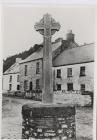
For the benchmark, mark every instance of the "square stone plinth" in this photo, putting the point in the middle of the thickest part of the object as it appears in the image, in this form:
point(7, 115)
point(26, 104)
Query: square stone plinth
point(48, 121)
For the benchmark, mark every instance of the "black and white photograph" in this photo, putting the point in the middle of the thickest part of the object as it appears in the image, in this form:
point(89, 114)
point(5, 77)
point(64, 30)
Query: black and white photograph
point(48, 72)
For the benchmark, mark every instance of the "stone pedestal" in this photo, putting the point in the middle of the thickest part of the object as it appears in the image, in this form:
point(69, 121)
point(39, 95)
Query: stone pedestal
point(48, 122)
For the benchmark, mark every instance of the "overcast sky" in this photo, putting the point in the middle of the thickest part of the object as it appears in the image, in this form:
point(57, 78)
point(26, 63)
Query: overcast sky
point(18, 25)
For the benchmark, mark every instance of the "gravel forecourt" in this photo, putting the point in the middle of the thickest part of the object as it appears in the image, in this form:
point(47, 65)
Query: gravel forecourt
point(12, 119)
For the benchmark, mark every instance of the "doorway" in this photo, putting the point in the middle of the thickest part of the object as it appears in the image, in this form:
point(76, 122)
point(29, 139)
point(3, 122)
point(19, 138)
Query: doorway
point(70, 86)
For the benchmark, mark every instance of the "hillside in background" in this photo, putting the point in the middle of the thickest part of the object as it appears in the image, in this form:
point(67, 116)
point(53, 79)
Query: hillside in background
point(64, 45)
point(11, 60)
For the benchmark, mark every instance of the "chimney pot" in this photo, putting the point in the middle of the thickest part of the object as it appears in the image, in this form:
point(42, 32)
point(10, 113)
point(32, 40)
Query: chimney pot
point(70, 36)
point(69, 31)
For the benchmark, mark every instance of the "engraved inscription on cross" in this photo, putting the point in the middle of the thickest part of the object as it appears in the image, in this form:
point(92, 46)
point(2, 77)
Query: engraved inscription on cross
point(47, 27)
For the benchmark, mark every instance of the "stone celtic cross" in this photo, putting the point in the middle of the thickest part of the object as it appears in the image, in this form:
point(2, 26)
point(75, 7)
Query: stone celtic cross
point(48, 120)
point(47, 27)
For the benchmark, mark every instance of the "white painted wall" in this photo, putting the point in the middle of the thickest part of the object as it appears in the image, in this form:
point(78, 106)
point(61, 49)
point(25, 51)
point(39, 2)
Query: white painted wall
point(88, 80)
point(6, 82)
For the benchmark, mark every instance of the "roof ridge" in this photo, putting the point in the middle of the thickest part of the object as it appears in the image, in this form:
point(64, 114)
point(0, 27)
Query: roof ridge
point(10, 67)
point(86, 44)
point(70, 48)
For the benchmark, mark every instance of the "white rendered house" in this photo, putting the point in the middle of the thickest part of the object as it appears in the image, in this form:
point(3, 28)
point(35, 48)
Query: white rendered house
point(11, 78)
point(74, 69)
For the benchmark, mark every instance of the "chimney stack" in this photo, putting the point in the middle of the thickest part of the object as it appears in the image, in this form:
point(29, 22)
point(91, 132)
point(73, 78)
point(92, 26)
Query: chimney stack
point(18, 60)
point(70, 36)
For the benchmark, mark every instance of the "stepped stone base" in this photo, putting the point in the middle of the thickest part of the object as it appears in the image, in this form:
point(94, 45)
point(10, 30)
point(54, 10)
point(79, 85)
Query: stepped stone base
point(48, 122)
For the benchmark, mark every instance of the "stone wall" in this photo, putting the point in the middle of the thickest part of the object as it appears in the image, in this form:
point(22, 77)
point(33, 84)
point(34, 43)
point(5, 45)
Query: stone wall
point(56, 122)
point(31, 74)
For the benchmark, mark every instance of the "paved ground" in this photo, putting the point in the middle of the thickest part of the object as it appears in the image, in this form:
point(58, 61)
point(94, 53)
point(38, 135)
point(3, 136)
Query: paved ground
point(12, 119)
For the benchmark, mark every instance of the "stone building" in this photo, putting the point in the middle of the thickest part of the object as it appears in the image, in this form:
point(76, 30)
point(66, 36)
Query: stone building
point(74, 69)
point(72, 66)
point(31, 67)
point(11, 78)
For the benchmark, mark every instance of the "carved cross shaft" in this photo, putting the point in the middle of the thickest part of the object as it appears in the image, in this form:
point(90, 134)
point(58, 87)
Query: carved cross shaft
point(47, 27)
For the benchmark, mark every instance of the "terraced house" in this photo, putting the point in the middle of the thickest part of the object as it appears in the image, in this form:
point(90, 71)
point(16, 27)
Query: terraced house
point(74, 69)
point(11, 78)
point(72, 66)
point(31, 68)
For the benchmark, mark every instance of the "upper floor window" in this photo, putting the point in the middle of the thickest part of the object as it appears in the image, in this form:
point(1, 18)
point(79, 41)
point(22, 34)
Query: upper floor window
point(37, 83)
point(37, 68)
point(58, 73)
point(18, 78)
point(26, 70)
point(69, 72)
point(10, 78)
point(82, 71)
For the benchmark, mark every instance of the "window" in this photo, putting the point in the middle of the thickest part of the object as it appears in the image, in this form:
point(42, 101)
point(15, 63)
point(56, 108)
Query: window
point(18, 87)
point(37, 83)
point(70, 86)
point(10, 79)
point(82, 71)
point(58, 73)
point(37, 68)
point(69, 72)
point(18, 78)
point(10, 86)
point(31, 86)
point(58, 86)
point(82, 87)
point(25, 85)
point(25, 70)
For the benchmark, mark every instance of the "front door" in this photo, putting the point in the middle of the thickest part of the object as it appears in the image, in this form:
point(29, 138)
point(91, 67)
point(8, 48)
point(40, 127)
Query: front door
point(70, 86)
point(30, 85)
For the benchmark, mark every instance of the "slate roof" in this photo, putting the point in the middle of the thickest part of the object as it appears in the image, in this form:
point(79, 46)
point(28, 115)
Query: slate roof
point(75, 55)
point(70, 55)
point(13, 69)
point(39, 53)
